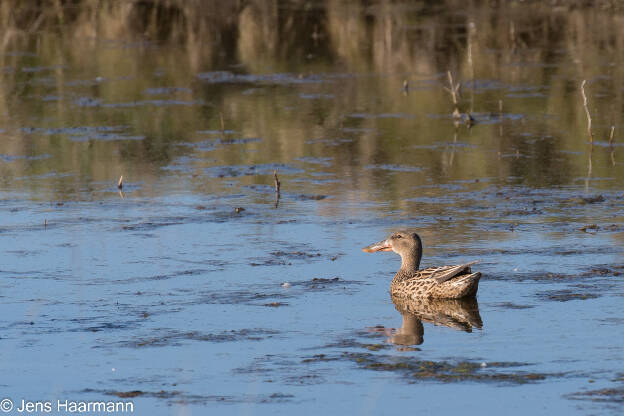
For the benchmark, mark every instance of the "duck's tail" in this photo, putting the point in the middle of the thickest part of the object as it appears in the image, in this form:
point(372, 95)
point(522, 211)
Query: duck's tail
point(466, 285)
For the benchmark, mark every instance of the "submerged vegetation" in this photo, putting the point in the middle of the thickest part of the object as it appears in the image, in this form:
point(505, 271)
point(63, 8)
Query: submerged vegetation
point(445, 371)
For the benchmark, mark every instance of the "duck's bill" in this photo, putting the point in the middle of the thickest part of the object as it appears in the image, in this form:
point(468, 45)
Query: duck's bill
point(383, 245)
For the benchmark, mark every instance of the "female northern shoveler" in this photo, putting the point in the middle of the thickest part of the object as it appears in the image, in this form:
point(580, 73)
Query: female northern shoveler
point(447, 282)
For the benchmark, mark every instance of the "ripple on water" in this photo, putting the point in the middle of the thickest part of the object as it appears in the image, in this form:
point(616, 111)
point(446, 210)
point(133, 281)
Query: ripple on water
point(183, 398)
point(221, 77)
point(232, 171)
point(172, 337)
point(394, 168)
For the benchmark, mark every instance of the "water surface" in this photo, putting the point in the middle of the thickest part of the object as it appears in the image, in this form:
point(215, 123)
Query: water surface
point(196, 288)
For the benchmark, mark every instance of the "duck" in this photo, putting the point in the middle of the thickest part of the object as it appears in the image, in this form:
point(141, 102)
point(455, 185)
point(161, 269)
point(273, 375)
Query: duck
point(410, 282)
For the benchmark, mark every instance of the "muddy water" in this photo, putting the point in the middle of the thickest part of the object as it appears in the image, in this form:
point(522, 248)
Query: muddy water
point(195, 289)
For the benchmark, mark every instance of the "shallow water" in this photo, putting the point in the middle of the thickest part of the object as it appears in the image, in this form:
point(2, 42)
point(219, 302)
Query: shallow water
point(196, 288)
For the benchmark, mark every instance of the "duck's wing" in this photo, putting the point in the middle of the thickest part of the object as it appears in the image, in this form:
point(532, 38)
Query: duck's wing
point(444, 273)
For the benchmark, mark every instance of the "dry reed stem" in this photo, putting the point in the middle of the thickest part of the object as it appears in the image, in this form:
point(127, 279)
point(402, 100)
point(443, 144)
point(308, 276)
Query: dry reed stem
point(120, 183)
point(277, 182)
point(611, 136)
point(454, 88)
point(453, 91)
point(470, 64)
point(471, 31)
point(589, 120)
point(500, 120)
point(277, 188)
point(611, 145)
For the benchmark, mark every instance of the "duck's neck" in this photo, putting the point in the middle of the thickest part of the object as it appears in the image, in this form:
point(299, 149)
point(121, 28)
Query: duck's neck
point(410, 261)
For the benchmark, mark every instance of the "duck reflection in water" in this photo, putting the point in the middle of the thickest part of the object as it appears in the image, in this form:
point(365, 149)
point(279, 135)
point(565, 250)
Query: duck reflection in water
point(461, 314)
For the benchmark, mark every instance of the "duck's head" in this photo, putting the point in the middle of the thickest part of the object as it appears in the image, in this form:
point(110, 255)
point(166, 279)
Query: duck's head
point(405, 243)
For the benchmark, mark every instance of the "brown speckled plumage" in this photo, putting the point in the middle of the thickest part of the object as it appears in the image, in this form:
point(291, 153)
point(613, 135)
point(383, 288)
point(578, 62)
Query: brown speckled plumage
point(447, 282)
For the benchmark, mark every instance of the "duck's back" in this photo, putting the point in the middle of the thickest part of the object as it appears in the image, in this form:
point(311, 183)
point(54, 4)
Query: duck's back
point(447, 282)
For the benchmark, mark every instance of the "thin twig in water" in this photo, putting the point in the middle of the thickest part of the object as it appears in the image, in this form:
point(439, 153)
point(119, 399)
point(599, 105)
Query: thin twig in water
point(277, 188)
point(611, 146)
point(120, 183)
point(277, 182)
point(589, 121)
point(500, 118)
